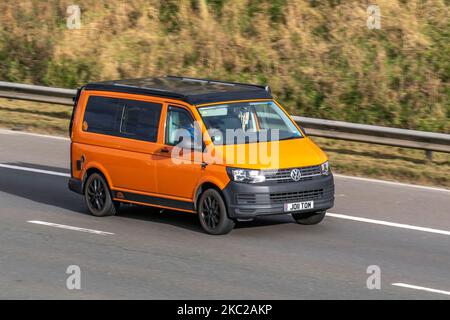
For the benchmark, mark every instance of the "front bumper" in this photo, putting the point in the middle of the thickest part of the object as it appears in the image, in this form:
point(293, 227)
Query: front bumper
point(246, 201)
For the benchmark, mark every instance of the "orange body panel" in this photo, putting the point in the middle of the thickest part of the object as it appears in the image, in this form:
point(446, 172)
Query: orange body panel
point(140, 166)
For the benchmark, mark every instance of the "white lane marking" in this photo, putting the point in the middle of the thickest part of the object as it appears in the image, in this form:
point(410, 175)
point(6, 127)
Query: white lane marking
point(399, 184)
point(410, 286)
point(62, 226)
point(53, 173)
point(12, 132)
point(335, 215)
point(387, 223)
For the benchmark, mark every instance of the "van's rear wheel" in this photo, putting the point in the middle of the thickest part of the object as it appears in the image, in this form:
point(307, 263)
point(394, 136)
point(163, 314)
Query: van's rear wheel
point(98, 197)
point(309, 219)
point(212, 213)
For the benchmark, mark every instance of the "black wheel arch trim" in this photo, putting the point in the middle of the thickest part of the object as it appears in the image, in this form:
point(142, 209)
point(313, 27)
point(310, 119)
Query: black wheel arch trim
point(202, 188)
point(77, 185)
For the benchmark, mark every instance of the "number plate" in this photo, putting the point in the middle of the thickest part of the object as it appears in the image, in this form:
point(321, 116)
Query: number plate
point(298, 206)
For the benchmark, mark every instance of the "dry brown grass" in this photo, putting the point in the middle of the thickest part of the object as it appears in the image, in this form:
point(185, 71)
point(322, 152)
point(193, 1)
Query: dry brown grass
point(318, 56)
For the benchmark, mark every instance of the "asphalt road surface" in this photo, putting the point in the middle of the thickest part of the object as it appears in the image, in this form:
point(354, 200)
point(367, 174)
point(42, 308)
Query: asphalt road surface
point(147, 254)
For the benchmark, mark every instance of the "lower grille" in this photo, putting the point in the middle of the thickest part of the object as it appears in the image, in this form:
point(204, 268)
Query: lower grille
point(246, 198)
point(296, 196)
point(317, 194)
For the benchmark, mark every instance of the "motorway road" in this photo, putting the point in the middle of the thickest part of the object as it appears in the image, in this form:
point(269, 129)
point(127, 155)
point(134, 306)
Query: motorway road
point(146, 254)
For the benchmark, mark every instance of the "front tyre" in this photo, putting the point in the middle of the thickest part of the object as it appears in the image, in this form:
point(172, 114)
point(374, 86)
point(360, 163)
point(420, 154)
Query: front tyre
point(212, 213)
point(97, 197)
point(309, 219)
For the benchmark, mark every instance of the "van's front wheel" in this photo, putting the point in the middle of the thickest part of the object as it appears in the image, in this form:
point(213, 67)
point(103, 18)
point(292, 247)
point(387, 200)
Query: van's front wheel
point(98, 197)
point(212, 213)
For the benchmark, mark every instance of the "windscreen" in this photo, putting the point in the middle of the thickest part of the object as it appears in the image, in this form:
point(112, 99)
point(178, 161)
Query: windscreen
point(248, 122)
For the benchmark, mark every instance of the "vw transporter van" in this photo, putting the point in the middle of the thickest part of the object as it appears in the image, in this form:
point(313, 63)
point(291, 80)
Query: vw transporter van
point(222, 150)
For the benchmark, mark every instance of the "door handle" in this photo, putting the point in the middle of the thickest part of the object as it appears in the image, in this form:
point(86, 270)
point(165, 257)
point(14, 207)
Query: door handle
point(164, 150)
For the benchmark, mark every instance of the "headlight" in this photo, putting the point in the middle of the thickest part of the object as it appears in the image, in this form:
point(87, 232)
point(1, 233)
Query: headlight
point(245, 176)
point(325, 168)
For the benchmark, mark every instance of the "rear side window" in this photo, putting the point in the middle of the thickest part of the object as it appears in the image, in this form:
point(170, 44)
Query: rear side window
point(102, 115)
point(123, 118)
point(140, 120)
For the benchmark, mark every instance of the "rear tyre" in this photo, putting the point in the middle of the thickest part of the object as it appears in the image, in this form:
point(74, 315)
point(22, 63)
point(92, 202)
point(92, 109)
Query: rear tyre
point(212, 213)
point(97, 197)
point(309, 219)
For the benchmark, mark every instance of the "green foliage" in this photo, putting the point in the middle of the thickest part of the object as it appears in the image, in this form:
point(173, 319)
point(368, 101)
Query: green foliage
point(23, 58)
point(318, 56)
point(71, 73)
point(277, 11)
point(168, 15)
point(216, 6)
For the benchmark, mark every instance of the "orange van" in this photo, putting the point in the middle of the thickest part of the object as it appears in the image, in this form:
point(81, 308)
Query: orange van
point(223, 150)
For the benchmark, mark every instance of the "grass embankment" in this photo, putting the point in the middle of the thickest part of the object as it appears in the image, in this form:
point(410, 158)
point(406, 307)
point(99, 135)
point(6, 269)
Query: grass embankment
point(34, 117)
point(319, 57)
point(351, 158)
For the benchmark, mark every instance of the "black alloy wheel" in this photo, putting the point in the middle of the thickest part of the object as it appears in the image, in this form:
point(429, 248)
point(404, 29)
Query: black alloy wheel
point(98, 197)
point(212, 213)
point(96, 194)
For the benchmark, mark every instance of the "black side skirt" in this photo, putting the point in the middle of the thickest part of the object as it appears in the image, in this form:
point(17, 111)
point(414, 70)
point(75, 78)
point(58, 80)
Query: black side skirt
point(176, 204)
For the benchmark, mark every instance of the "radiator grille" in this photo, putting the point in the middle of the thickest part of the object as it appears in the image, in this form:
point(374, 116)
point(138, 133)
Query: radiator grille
point(284, 175)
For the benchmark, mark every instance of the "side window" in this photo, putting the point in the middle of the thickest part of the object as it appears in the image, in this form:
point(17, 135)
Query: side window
point(140, 120)
point(178, 123)
point(102, 115)
point(132, 119)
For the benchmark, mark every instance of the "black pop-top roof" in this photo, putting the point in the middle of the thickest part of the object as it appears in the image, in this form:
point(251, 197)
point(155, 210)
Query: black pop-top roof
point(192, 90)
